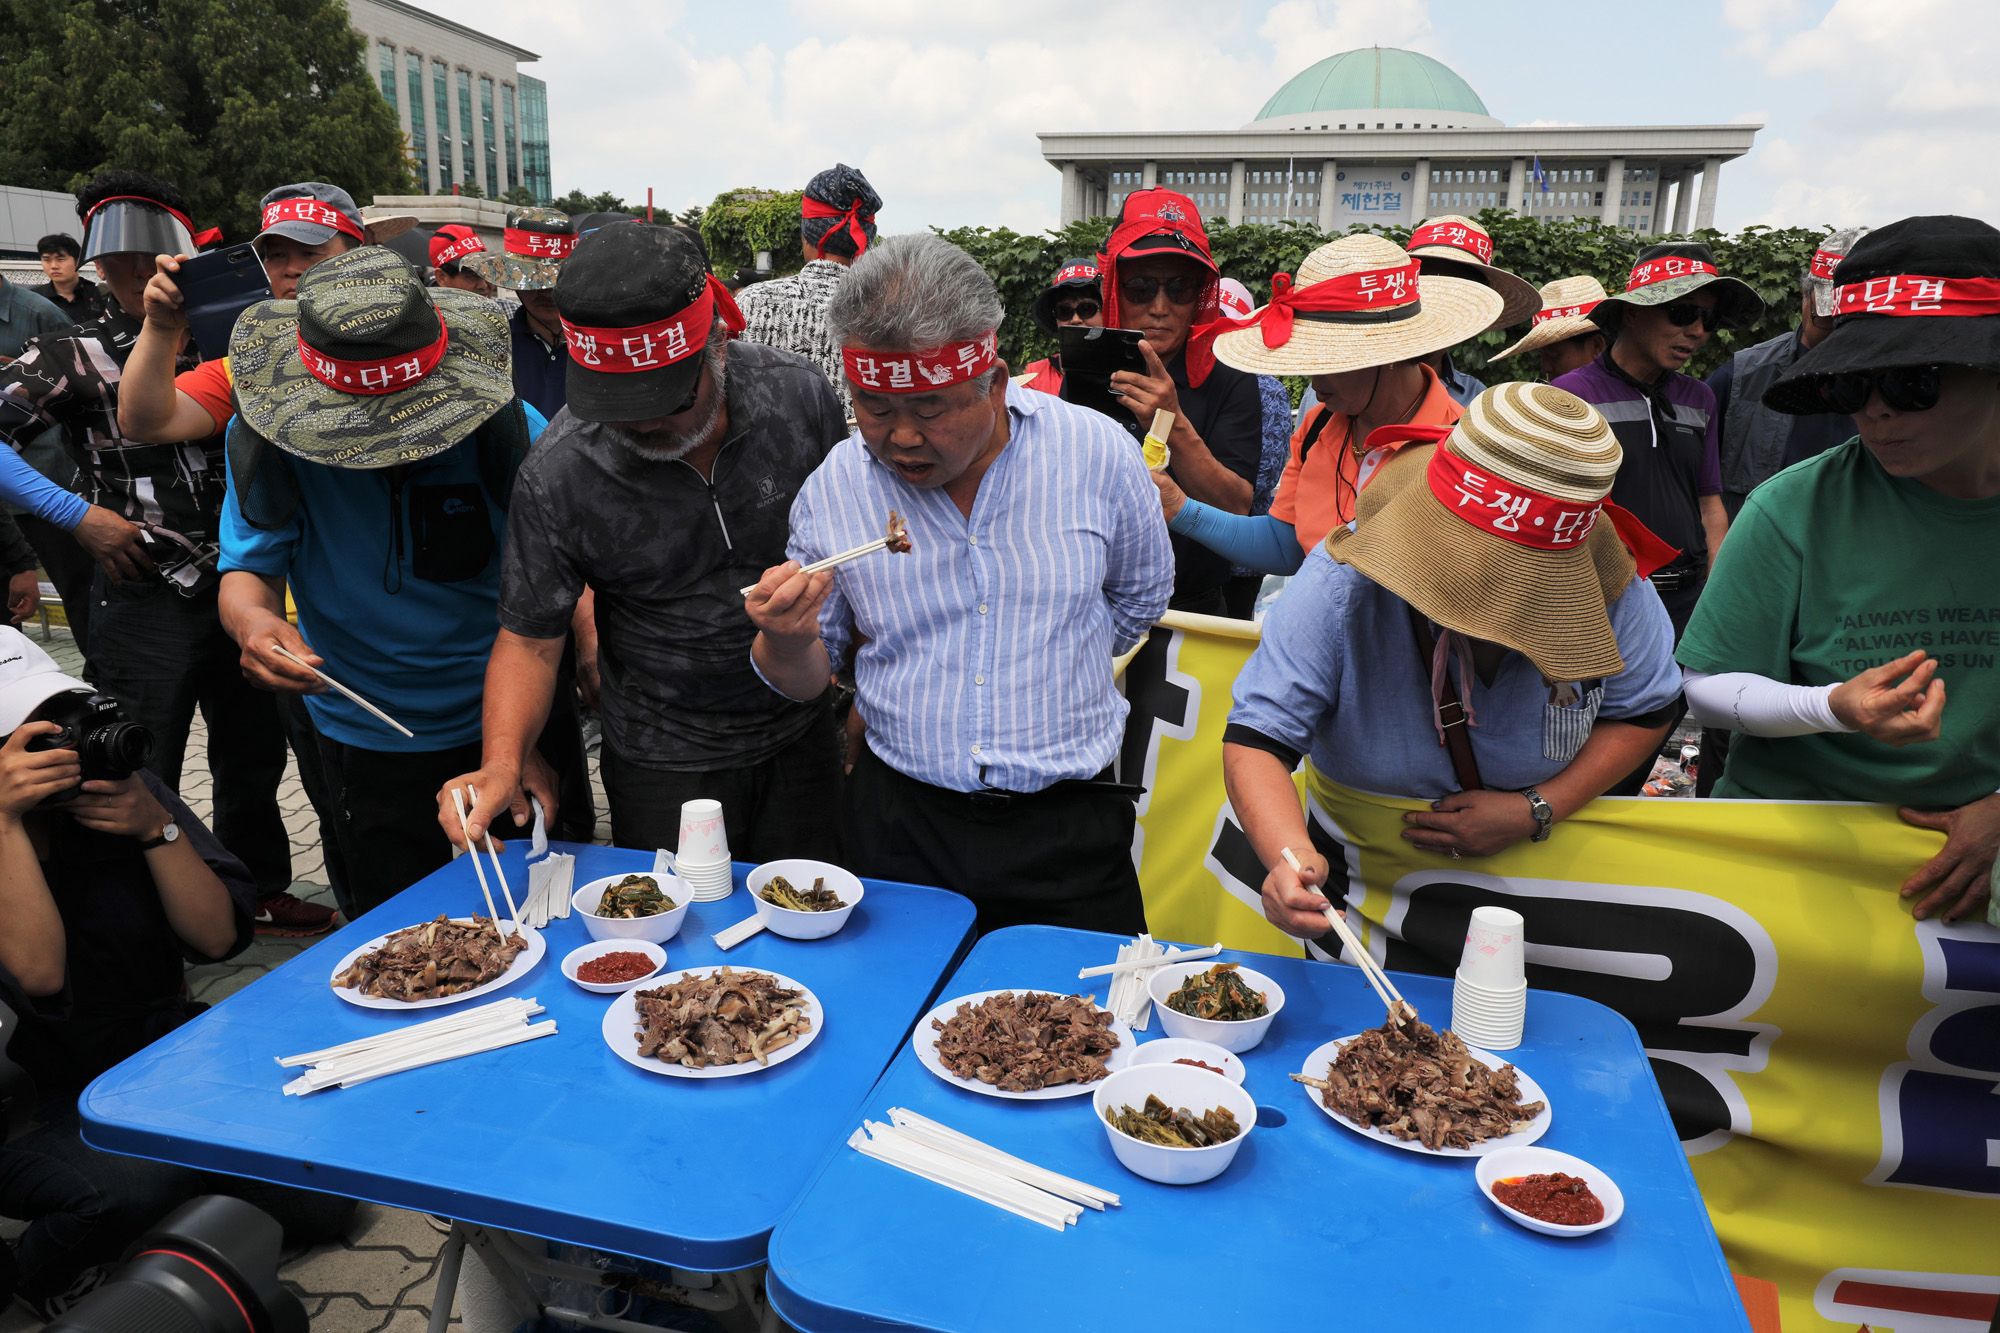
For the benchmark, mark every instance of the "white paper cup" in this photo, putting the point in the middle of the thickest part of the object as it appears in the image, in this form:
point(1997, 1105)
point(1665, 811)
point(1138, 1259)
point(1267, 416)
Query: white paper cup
point(704, 840)
point(1493, 955)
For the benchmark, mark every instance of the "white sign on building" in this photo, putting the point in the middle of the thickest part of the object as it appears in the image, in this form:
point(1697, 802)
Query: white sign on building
point(1377, 193)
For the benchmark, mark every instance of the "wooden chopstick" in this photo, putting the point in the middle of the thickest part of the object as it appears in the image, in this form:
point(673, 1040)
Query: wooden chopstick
point(343, 689)
point(880, 543)
point(465, 825)
point(1392, 999)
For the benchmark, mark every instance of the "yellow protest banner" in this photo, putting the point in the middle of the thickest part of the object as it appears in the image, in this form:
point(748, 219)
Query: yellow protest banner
point(1832, 1065)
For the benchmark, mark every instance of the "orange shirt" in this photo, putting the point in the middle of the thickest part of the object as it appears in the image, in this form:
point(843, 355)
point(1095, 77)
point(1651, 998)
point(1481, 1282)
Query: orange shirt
point(1318, 496)
point(208, 384)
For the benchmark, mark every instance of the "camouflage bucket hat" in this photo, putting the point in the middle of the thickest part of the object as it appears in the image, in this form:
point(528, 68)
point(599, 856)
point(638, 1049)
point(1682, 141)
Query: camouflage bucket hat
point(532, 253)
point(1673, 270)
point(368, 368)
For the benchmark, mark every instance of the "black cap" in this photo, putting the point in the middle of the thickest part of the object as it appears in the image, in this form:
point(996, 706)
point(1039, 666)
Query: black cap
point(1073, 275)
point(1937, 247)
point(626, 276)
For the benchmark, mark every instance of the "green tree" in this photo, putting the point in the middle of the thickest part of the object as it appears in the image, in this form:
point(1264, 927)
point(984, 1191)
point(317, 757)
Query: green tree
point(691, 216)
point(226, 98)
point(576, 202)
point(741, 222)
point(520, 197)
point(1770, 259)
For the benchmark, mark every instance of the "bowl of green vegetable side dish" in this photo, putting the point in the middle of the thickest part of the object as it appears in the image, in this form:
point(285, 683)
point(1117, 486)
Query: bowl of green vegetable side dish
point(632, 907)
point(803, 900)
point(1173, 1123)
point(1223, 1003)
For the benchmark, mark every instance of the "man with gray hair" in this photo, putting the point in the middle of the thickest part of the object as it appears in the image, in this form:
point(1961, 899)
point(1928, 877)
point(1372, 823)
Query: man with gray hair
point(663, 488)
point(1758, 443)
point(982, 656)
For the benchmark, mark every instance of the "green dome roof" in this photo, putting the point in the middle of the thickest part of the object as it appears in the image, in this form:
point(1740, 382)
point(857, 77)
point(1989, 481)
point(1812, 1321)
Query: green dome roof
point(1376, 76)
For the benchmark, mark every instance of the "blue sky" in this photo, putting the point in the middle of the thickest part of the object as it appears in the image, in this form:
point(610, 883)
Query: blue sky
point(1873, 108)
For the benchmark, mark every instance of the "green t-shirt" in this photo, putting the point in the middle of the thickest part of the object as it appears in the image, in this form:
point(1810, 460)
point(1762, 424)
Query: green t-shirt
point(1834, 566)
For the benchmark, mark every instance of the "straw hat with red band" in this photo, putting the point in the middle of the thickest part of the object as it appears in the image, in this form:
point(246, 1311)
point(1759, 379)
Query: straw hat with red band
point(1673, 271)
point(1565, 314)
point(637, 304)
point(368, 368)
point(1159, 222)
point(532, 251)
point(1457, 247)
point(1503, 531)
point(1920, 292)
point(1357, 302)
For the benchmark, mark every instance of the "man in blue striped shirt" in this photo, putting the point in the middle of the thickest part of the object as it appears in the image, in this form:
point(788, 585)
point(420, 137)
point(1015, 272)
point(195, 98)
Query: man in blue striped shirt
point(981, 658)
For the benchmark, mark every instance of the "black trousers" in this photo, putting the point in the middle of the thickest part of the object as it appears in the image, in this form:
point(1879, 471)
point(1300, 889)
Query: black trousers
point(69, 567)
point(322, 793)
point(1056, 858)
point(163, 655)
point(787, 806)
point(83, 1207)
point(385, 817)
point(561, 744)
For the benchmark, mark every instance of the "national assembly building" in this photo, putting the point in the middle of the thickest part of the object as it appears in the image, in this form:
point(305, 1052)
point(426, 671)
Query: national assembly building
point(1386, 136)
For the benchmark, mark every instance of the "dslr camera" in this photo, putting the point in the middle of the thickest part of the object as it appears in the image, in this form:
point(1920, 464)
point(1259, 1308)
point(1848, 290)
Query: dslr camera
point(111, 745)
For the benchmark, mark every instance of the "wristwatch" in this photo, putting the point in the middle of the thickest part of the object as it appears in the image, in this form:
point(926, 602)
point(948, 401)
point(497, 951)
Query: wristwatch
point(1545, 815)
point(169, 832)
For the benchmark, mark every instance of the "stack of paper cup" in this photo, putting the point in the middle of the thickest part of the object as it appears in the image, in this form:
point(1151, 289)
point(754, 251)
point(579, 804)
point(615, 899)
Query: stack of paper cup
point(1489, 999)
point(702, 863)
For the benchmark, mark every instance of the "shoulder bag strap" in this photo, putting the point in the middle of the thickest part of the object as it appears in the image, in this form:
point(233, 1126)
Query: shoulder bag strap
point(1450, 710)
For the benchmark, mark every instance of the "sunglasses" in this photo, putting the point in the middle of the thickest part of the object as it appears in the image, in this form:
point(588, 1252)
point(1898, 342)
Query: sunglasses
point(1904, 388)
point(1687, 314)
point(1181, 291)
point(1068, 310)
point(694, 389)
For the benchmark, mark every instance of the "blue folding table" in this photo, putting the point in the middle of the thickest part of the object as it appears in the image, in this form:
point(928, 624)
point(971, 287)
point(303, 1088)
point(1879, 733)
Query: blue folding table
point(556, 1137)
point(1311, 1226)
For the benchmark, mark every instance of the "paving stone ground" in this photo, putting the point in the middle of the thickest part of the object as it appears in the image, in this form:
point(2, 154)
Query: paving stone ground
point(381, 1276)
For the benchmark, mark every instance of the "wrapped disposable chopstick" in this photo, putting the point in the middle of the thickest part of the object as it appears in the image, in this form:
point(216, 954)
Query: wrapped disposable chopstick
point(946, 1139)
point(886, 1143)
point(1128, 1000)
point(489, 1027)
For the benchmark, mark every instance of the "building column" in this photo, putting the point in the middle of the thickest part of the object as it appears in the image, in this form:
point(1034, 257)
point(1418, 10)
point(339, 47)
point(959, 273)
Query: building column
point(1420, 191)
point(1071, 205)
point(1328, 192)
point(1517, 184)
point(1659, 201)
point(1683, 183)
point(1149, 175)
point(1704, 213)
point(1614, 192)
point(1238, 176)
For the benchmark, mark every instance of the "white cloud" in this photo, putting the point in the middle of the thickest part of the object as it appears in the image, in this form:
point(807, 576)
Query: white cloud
point(1306, 31)
point(1906, 121)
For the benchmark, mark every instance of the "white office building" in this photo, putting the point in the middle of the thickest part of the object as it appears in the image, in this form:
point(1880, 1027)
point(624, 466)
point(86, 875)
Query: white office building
point(1387, 136)
point(470, 116)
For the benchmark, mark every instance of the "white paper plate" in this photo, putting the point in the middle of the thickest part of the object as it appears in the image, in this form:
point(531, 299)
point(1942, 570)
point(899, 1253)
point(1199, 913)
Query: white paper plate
point(524, 963)
point(1531, 1091)
point(925, 1040)
point(621, 1027)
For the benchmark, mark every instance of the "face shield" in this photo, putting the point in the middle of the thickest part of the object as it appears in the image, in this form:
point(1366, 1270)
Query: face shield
point(126, 225)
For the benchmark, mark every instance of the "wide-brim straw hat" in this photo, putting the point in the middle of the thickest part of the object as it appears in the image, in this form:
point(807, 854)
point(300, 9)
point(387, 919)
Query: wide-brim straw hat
point(368, 306)
point(387, 226)
point(1576, 298)
point(1551, 606)
point(1457, 247)
point(1448, 311)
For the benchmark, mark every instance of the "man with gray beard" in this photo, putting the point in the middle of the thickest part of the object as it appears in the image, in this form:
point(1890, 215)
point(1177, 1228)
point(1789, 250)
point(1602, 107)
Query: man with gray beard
point(664, 487)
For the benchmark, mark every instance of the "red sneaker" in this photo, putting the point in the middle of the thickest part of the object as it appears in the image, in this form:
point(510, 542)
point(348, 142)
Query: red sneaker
point(282, 914)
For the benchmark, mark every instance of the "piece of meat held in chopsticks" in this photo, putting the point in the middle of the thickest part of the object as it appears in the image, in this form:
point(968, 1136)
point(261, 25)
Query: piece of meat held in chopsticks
point(896, 538)
point(1412, 1082)
point(897, 542)
point(438, 958)
point(728, 1018)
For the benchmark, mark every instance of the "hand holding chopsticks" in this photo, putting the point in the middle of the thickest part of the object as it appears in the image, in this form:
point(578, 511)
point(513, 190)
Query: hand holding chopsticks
point(1398, 1007)
point(896, 539)
point(334, 684)
point(458, 804)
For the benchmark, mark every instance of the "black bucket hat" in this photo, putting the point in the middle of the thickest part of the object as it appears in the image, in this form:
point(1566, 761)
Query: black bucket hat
point(1673, 270)
point(637, 303)
point(1075, 275)
point(1920, 292)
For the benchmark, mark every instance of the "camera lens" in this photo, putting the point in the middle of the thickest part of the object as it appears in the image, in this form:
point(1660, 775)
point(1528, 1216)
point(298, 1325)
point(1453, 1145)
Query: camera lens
point(210, 1267)
point(117, 748)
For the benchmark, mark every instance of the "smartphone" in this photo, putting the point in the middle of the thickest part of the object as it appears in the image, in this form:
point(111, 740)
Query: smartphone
point(217, 287)
point(1089, 359)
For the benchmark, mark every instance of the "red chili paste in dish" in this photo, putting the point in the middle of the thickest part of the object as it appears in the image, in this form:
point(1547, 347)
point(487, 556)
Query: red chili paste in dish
point(608, 968)
point(1562, 1199)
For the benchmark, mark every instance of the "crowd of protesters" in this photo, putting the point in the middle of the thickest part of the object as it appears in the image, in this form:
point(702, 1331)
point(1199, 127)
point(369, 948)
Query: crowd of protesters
point(487, 489)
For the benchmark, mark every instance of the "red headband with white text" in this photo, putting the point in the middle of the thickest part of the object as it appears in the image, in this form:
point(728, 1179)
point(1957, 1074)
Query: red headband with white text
point(382, 375)
point(454, 248)
point(1564, 312)
point(922, 372)
point(662, 342)
point(313, 211)
point(1454, 236)
point(1824, 262)
point(1513, 513)
point(1665, 267)
point(1911, 294)
point(539, 244)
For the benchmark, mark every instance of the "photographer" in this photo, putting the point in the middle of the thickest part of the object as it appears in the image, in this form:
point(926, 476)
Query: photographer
point(106, 889)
